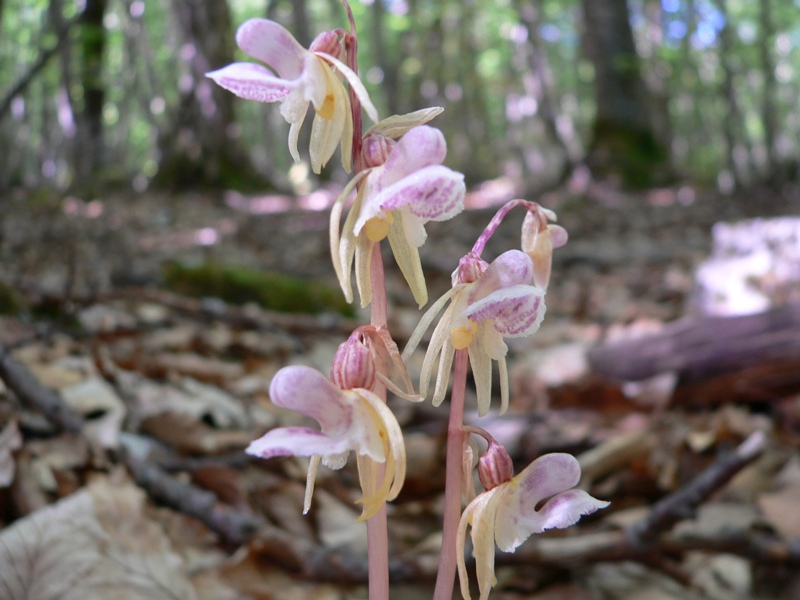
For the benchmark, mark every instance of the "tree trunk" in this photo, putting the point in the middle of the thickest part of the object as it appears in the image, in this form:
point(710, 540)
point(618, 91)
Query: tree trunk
point(89, 117)
point(769, 110)
point(537, 80)
point(202, 148)
point(625, 144)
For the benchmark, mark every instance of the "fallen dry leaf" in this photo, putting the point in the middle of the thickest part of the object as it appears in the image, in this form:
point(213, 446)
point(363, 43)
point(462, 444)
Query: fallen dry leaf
point(93, 545)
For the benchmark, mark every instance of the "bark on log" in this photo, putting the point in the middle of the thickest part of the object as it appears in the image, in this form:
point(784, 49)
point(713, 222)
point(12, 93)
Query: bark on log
point(698, 349)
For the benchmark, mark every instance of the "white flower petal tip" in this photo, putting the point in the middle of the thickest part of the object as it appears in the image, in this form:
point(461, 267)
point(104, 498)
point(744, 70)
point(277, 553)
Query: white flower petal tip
point(506, 515)
point(350, 420)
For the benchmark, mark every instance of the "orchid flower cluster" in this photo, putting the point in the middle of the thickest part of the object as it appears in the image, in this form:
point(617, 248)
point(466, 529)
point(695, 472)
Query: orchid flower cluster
point(400, 184)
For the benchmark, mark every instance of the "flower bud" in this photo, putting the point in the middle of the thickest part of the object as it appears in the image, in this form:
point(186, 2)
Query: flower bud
point(495, 466)
point(352, 365)
point(376, 149)
point(470, 267)
point(327, 42)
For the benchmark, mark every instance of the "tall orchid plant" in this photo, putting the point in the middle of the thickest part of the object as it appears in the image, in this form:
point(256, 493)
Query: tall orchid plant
point(399, 184)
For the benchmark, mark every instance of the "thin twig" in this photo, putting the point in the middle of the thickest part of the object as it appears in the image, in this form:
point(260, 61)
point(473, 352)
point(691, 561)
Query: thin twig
point(30, 391)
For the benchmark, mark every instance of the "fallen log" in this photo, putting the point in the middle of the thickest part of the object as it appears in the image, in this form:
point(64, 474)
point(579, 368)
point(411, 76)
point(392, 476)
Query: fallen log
point(750, 357)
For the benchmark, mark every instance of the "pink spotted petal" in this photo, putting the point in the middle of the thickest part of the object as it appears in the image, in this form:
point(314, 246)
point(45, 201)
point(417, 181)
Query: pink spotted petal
point(433, 193)
point(421, 147)
point(296, 441)
point(517, 310)
point(272, 44)
point(306, 391)
point(512, 267)
point(252, 82)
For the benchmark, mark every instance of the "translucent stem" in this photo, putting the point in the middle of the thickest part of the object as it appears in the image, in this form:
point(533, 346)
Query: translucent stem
point(377, 533)
point(445, 578)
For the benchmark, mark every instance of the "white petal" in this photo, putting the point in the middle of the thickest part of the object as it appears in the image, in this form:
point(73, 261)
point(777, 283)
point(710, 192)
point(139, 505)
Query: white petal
point(272, 44)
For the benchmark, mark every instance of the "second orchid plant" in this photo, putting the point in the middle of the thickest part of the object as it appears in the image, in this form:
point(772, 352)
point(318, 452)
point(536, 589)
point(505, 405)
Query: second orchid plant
point(399, 184)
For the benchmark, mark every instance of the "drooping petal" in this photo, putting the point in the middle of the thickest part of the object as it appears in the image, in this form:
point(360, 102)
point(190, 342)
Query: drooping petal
point(512, 267)
point(253, 82)
point(395, 448)
point(355, 84)
point(426, 320)
point(549, 475)
point(407, 257)
point(272, 44)
point(516, 311)
point(398, 125)
point(480, 514)
point(364, 249)
point(327, 129)
point(481, 365)
point(343, 248)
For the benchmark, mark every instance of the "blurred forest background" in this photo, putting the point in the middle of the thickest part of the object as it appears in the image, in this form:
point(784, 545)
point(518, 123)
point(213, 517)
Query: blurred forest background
point(111, 92)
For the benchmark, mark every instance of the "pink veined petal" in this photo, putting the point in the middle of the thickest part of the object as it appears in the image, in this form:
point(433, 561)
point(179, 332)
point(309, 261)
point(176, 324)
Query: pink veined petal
point(421, 147)
point(563, 510)
point(306, 391)
point(517, 310)
point(434, 193)
point(296, 441)
point(272, 44)
point(510, 268)
point(252, 82)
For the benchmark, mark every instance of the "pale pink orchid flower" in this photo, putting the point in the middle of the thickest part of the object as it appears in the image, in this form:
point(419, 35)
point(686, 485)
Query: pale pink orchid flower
point(297, 77)
point(507, 514)
point(350, 420)
point(488, 302)
point(404, 187)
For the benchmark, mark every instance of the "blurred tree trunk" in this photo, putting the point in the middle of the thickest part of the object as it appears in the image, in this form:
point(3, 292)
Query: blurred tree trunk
point(736, 156)
point(382, 59)
point(769, 110)
point(90, 151)
point(300, 24)
point(625, 144)
point(537, 80)
point(201, 147)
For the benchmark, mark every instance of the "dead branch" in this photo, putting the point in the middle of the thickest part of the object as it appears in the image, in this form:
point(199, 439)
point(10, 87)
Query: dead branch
point(698, 348)
point(30, 391)
point(683, 503)
point(235, 527)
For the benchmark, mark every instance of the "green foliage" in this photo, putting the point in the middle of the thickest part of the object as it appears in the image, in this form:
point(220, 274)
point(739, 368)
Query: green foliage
point(270, 290)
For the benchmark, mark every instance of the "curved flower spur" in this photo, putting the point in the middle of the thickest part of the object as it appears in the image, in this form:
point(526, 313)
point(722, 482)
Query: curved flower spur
point(303, 77)
point(506, 514)
point(404, 187)
point(350, 415)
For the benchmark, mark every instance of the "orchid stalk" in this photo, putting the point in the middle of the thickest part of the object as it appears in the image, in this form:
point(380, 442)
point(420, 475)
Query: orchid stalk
point(399, 184)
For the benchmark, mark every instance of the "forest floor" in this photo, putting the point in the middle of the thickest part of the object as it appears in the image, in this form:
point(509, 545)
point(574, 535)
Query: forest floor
point(149, 494)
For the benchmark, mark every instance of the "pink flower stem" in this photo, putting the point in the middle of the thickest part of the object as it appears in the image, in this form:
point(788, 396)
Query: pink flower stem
point(377, 532)
point(445, 578)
